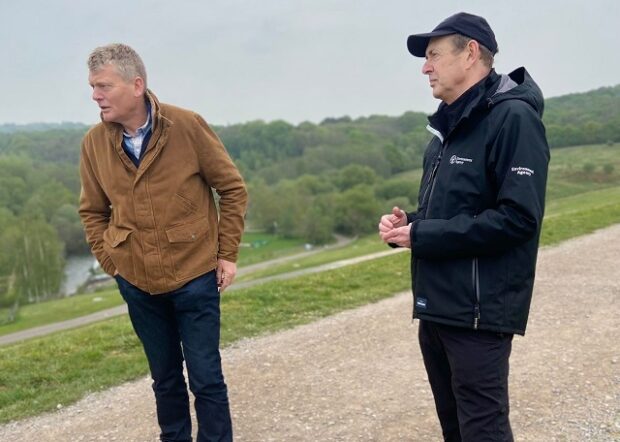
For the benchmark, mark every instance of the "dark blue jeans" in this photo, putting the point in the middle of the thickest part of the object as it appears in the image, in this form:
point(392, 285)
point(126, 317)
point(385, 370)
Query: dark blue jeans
point(183, 324)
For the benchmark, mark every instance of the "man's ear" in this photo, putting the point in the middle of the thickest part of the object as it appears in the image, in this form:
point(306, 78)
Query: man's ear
point(138, 87)
point(473, 52)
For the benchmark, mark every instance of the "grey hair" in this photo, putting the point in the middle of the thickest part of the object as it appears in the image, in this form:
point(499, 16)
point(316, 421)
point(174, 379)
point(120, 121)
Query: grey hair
point(460, 42)
point(126, 60)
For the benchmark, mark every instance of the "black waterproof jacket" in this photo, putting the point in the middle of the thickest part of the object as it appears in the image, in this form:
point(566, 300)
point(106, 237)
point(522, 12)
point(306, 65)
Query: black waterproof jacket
point(475, 234)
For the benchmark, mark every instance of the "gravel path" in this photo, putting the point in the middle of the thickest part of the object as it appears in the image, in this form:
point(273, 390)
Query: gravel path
point(358, 375)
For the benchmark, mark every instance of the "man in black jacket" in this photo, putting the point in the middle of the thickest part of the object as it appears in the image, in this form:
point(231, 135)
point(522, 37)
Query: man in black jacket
point(474, 236)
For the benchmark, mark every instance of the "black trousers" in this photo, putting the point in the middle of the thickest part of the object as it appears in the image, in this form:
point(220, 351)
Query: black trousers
point(468, 373)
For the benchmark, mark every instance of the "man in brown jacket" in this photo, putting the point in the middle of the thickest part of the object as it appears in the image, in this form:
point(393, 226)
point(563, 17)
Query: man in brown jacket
point(147, 171)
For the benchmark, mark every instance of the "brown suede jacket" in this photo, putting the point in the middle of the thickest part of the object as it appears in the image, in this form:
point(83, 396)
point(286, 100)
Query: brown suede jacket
point(158, 225)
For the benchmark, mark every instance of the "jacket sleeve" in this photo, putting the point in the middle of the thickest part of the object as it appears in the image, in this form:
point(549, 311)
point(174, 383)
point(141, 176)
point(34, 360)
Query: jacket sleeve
point(411, 217)
point(517, 163)
point(94, 211)
point(221, 174)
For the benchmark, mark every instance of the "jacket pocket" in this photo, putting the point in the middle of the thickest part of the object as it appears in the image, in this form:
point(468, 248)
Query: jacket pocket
point(114, 236)
point(493, 271)
point(189, 232)
point(443, 290)
point(189, 248)
point(188, 207)
point(117, 245)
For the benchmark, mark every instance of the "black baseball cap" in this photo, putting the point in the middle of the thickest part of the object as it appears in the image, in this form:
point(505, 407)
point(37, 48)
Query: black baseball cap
point(469, 25)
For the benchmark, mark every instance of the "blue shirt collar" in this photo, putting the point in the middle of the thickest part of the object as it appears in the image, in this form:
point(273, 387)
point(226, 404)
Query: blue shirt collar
point(146, 126)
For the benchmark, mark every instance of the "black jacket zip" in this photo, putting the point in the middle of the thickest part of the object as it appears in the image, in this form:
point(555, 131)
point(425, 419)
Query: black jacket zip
point(476, 287)
point(433, 178)
point(430, 183)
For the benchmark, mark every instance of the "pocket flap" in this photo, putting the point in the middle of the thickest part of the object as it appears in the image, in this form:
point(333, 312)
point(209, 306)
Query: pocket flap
point(188, 232)
point(114, 235)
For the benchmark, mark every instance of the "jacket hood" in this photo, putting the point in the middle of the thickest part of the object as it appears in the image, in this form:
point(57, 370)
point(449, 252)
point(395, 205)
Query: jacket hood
point(495, 88)
point(518, 85)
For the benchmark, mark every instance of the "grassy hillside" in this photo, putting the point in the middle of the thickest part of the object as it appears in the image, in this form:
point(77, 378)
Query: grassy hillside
point(580, 199)
point(581, 169)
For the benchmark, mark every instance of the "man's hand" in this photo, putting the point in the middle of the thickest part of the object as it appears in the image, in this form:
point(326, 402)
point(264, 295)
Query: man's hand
point(393, 228)
point(225, 273)
point(398, 218)
point(400, 236)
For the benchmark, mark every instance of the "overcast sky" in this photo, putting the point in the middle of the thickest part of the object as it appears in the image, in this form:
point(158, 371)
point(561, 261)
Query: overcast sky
point(235, 61)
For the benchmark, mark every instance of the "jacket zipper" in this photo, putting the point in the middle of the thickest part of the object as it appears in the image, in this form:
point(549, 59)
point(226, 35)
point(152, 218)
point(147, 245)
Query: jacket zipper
point(431, 180)
point(431, 176)
point(415, 272)
point(476, 285)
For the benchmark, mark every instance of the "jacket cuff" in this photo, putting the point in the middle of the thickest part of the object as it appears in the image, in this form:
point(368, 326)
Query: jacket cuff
point(413, 232)
point(228, 256)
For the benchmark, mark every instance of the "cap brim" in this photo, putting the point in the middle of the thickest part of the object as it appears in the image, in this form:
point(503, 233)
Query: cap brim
point(417, 43)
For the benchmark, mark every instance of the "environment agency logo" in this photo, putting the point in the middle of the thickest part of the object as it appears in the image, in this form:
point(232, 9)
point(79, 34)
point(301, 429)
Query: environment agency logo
point(522, 171)
point(458, 160)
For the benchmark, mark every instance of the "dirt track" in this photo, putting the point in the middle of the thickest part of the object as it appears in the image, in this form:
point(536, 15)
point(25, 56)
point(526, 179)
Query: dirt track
point(358, 375)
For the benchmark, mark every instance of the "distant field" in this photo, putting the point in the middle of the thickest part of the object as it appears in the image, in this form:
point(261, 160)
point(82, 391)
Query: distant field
point(572, 170)
point(583, 201)
point(562, 226)
point(34, 315)
point(262, 247)
point(583, 191)
point(258, 247)
point(581, 169)
point(361, 246)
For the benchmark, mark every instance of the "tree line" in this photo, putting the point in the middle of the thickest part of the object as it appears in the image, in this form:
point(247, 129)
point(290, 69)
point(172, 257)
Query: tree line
point(308, 180)
point(39, 223)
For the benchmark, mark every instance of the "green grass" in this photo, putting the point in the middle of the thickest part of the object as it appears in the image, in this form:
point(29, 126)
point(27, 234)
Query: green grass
point(579, 202)
point(582, 201)
point(58, 310)
point(566, 170)
point(38, 374)
point(34, 315)
point(361, 246)
point(266, 247)
point(580, 222)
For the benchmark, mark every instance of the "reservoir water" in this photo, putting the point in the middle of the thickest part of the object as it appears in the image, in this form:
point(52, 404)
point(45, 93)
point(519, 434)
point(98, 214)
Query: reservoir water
point(77, 271)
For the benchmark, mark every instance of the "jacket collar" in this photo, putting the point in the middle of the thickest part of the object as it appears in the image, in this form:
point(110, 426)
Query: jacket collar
point(115, 130)
point(448, 117)
point(159, 134)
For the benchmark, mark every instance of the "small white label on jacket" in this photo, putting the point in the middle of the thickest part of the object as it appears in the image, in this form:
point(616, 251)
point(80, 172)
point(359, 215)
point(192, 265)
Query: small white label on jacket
point(420, 303)
point(459, 160)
